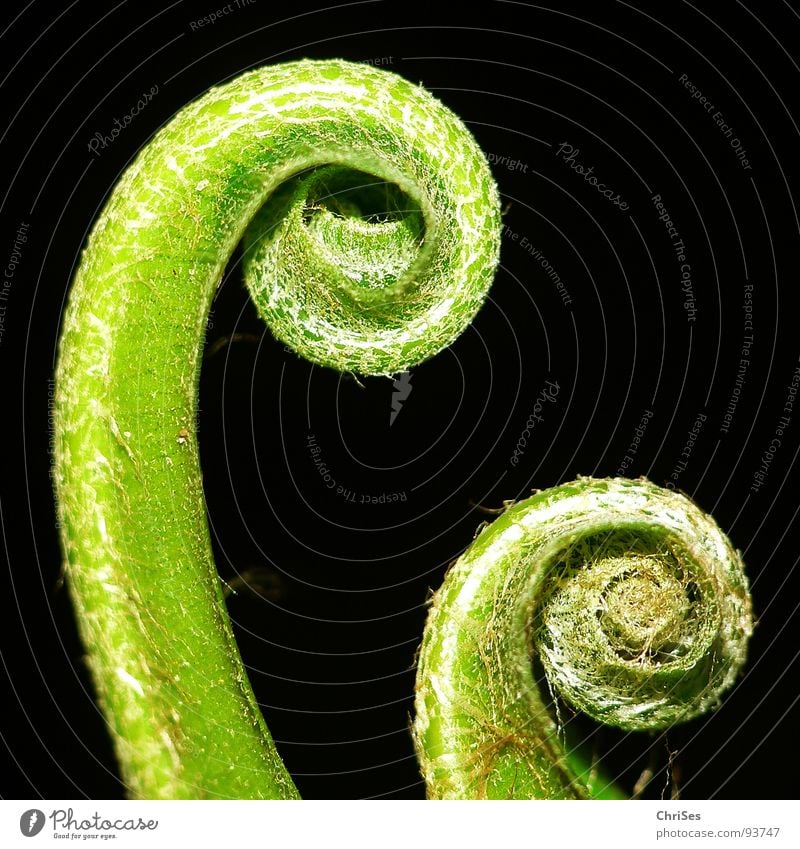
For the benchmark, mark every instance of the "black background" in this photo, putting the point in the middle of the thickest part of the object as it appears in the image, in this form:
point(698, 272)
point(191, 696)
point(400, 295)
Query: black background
point(330, 592)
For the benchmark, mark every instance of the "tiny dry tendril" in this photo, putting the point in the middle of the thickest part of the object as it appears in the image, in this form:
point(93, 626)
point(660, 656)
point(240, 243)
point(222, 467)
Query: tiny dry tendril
point(371, 230)
point(633, 600)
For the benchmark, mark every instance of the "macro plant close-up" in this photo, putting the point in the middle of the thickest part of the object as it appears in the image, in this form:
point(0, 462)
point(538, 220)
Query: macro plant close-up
point(313, 153)
point(406, 402)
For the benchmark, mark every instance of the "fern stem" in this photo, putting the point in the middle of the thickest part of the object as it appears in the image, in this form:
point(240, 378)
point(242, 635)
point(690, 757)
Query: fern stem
point(371, 225)
point(636, 605)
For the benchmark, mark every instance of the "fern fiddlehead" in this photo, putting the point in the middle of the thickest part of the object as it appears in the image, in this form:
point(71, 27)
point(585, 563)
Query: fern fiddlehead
point(636, 604)
point(371, 230)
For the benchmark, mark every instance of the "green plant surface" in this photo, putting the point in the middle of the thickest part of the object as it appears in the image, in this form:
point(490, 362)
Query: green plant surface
point(372, 226)
point(636, 605)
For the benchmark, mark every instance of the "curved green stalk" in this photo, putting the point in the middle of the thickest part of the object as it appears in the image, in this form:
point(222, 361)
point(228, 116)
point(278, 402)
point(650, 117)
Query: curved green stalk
point(636, 605)
point(373, 237)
